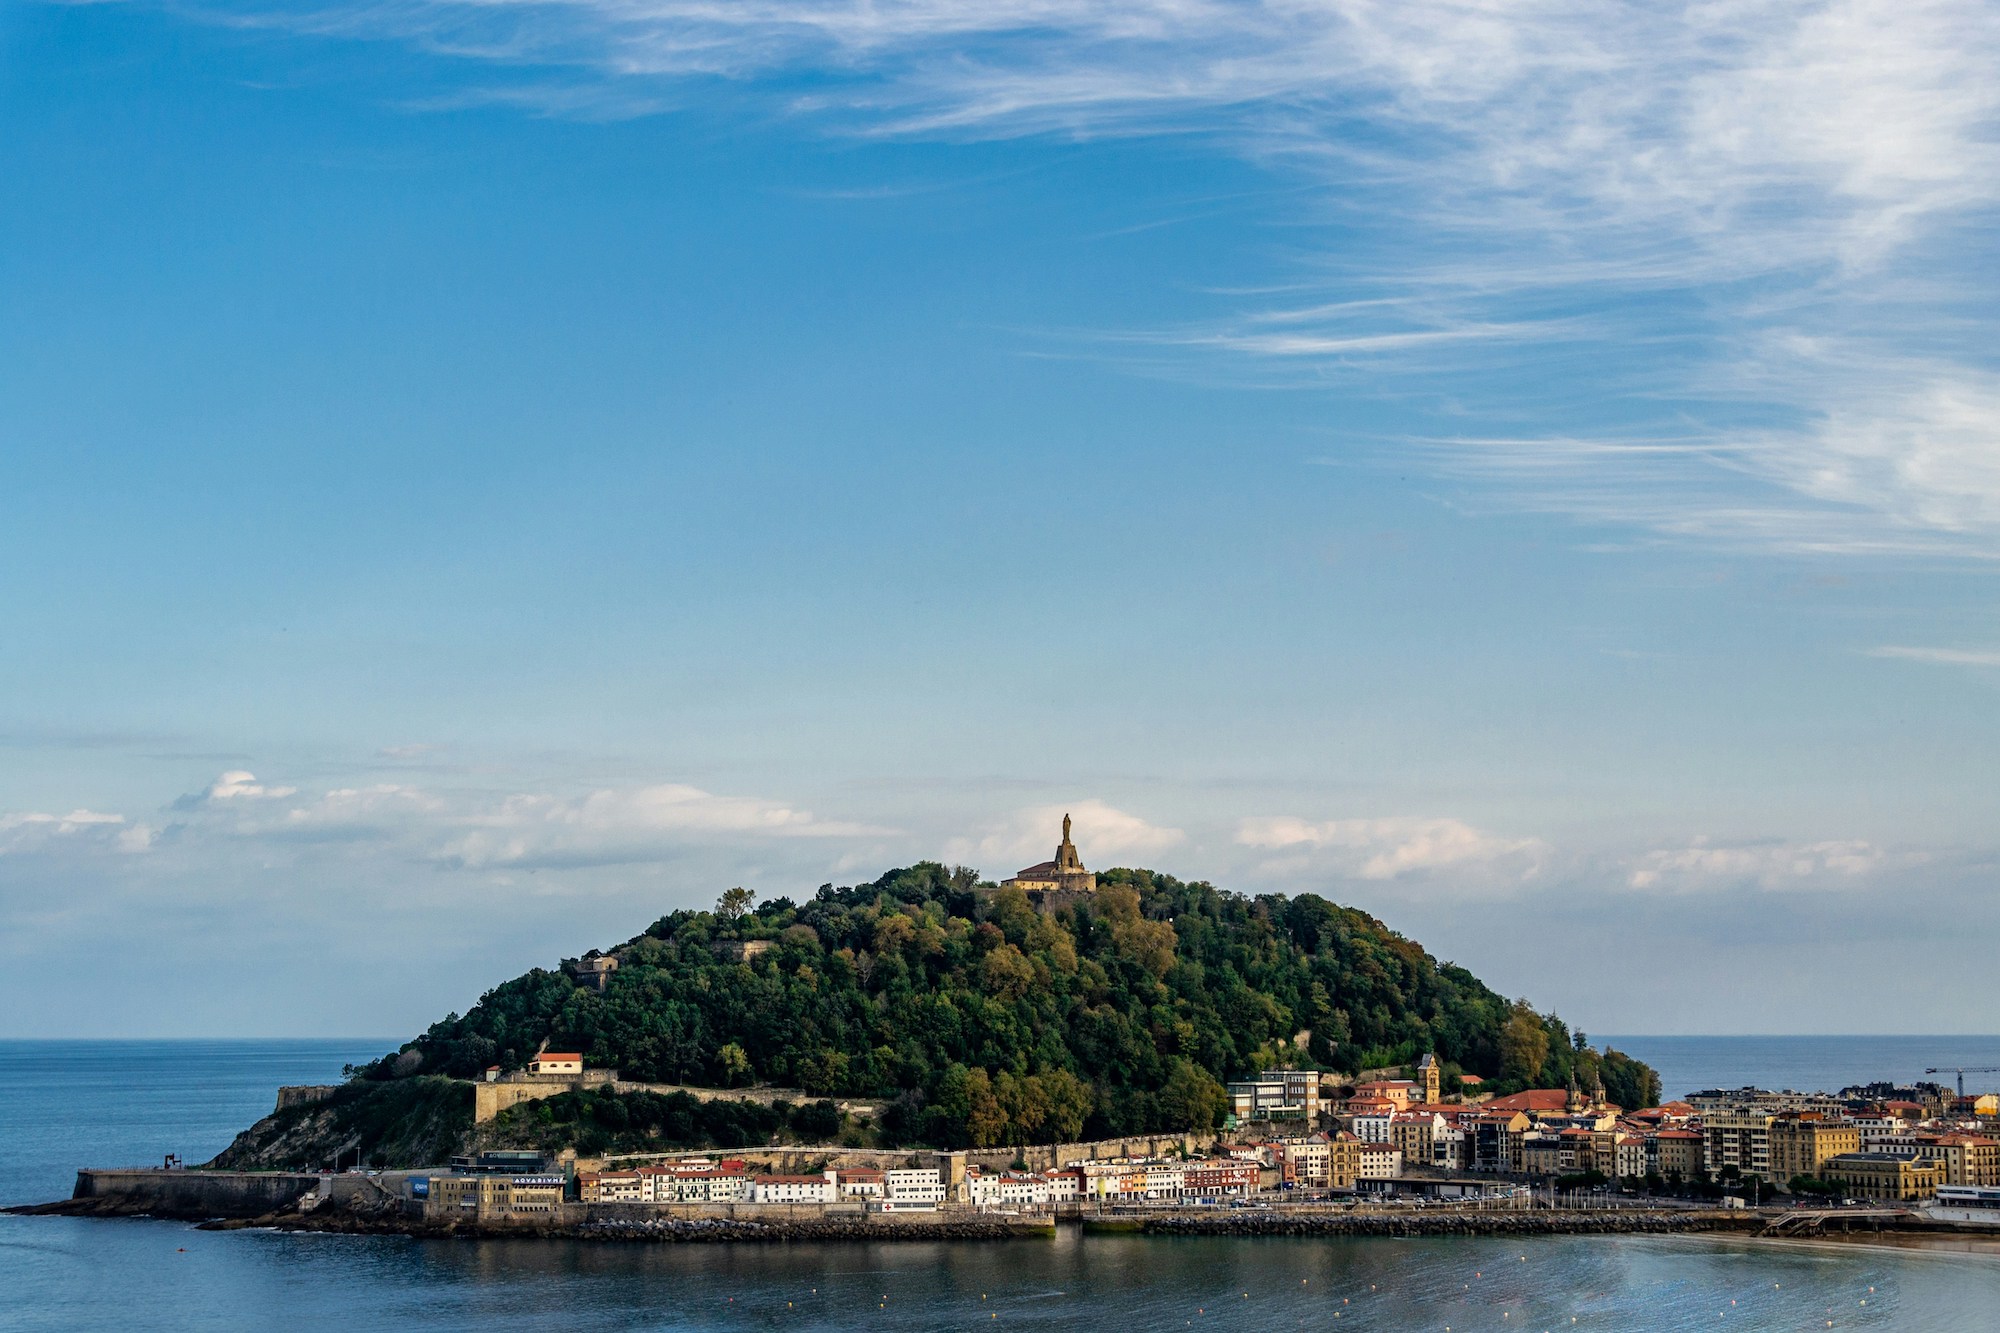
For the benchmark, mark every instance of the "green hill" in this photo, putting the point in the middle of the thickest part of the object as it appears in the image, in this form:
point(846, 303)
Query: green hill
point(983, 1022)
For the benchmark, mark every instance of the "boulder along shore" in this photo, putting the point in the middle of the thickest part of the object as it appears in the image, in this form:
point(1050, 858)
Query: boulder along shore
point(1262, 1223)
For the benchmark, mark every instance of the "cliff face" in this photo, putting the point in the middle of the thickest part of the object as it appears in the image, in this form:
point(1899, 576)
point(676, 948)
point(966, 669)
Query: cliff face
point(408, 1122)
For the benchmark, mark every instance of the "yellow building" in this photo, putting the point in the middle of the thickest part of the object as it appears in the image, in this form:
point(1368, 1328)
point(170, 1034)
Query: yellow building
point(1343, 1161)
point(494, 1197)
point(1800, 1144)
point(1416, 1134)
point(1431, 1075)
point(1884, 1177)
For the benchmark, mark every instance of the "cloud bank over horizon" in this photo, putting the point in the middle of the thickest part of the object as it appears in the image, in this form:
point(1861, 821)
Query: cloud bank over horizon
point(598, 865)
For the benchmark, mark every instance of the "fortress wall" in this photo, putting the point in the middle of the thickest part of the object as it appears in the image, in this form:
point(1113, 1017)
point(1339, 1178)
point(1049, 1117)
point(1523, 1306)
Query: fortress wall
point(304, 1095)
point(490, 1099)
point(1048, 1156)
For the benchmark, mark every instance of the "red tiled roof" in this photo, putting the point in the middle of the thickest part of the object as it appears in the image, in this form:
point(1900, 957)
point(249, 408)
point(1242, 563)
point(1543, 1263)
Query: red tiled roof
point(561, 1055)
point(1534, 1099)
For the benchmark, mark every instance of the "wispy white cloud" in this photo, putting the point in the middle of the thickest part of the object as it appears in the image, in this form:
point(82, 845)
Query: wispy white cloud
point(474, 828)
point(1103, 834)
point(639, 824)
point(1803, 182)
point(78, 830)
point(237, 785)
point(1972, 657)
point(1469, 859)
point(1705, 866)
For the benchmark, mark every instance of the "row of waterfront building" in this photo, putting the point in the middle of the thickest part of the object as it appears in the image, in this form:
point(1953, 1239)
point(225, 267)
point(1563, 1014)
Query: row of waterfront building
point(1880, 1147)
point(927, 1188)
point(1299, 1130)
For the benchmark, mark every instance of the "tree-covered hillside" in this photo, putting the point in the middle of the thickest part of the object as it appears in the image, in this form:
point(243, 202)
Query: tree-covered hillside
point(986, 1022)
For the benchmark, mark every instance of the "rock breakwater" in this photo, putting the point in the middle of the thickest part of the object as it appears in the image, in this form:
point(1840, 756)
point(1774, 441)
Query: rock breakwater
point(1291, 1223)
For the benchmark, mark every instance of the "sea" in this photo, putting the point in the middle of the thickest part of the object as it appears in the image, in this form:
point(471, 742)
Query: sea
point(68, 1104)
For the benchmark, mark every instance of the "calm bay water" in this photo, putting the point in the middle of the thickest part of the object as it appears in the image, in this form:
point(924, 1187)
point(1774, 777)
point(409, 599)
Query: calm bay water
point(1809, 1064)
point(65, 1104)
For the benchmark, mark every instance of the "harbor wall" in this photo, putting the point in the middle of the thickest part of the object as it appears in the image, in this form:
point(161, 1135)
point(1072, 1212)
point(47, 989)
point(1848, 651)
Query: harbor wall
point(196, 1195)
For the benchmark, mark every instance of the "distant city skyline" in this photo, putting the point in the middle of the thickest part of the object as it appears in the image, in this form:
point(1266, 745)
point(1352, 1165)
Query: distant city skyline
point(478, 478)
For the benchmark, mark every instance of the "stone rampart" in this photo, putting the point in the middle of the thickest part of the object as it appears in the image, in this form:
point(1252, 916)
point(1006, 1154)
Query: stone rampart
point(304, 1094)
point(1048, 1156)
point(490, 1099)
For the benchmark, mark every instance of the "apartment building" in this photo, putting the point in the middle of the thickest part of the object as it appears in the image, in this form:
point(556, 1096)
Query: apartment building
point(1277, 1094)
point(1800, 1143)
point(1738, 1138)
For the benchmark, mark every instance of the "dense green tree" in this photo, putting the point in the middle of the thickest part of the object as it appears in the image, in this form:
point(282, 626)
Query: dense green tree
point(981, 1021)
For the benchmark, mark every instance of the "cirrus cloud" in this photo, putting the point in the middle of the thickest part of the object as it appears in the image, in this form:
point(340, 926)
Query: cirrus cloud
point(1794, 186)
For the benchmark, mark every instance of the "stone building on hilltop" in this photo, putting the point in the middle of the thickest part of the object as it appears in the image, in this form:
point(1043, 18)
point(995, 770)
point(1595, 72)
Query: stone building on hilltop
point(1052, 884)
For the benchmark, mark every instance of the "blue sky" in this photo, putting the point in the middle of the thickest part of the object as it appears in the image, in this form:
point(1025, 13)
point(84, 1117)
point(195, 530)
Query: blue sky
point(476, 477)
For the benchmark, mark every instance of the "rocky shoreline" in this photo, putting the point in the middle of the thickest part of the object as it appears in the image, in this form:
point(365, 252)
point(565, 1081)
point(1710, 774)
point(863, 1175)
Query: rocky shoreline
point(1261, 1223)
point(386, 1221)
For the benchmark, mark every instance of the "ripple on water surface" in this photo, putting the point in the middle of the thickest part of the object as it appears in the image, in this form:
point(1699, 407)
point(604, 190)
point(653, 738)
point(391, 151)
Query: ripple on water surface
point(169, 1277)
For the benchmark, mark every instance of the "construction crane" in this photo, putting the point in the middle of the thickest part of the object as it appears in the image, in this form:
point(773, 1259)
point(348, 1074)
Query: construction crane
point(1962, 1071)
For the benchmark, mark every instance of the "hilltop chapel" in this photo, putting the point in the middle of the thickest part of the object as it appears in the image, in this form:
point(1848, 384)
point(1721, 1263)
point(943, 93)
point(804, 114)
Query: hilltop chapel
point(1059, 879)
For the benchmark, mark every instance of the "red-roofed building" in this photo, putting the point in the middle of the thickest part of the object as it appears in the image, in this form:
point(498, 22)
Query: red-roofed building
point(1969, 1159)
point(556, 1062)
point(1401, 1091)
point(1535, 1101)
